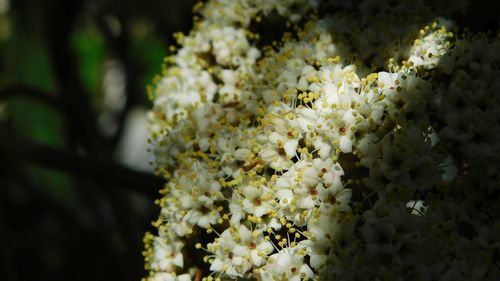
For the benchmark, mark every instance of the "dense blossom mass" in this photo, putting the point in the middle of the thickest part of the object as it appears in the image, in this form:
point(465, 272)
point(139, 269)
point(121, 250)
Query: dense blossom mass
point(360, 144)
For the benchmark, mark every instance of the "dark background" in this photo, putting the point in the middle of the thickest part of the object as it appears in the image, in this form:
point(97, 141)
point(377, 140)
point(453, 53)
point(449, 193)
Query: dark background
point(76, 190)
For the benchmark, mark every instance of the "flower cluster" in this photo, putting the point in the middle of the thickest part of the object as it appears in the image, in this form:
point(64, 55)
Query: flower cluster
point(362, 146)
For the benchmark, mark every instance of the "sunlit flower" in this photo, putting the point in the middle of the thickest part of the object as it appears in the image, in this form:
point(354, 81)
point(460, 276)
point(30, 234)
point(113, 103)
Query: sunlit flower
point(360, 146)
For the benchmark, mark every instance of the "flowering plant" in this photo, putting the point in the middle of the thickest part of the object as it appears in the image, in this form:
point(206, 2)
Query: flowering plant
point(339, 151)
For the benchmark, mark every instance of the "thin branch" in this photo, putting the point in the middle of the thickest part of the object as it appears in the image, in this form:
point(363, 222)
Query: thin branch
point(21, 90)
point(84, 128)
point(108, 173)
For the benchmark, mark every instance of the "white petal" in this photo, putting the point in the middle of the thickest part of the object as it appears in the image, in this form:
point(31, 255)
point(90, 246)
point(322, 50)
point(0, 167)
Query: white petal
point(325, 151)
point(266, 275)
point(285, 196)
point(256, 259)
point(274, 137)
point(260, 211)
point(386, 78)
point(242, 154)
point(163, 276)
point(178, 260)
point(290, 147)
point(204, 221)
point(317, 260)
point(348, 118)
point(245, 233)
point(310, 177)
point(266, 247)
point(307, 270)
point(308, 114)
point(238, 260)
point(240, 250)
point(337, 169)
point(251, 192)
point(345, 144)
point(377, 112)
point(283, 260)
point(306, 203)
point(229, 76)
point(275, 224)
point(216, 265)
point(283, 183)
point(267, 154)
point(184, 277)
point(302, 84)
point(204, 144)
point(231, 272)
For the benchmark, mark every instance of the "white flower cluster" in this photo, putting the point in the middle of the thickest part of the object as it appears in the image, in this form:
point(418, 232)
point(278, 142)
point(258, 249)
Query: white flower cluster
point(305, 160)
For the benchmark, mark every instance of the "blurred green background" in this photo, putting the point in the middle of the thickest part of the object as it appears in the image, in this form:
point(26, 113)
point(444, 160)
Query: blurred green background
point(76, 189)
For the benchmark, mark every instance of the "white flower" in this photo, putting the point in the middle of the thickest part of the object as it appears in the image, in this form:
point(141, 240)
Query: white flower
point(278, 150)
point(237, 249)
point(324, 231)
point(286, 264)
point(416, 207)
point(167, 253)
point(323, 147)
point(256, 200)
point(165, 276)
